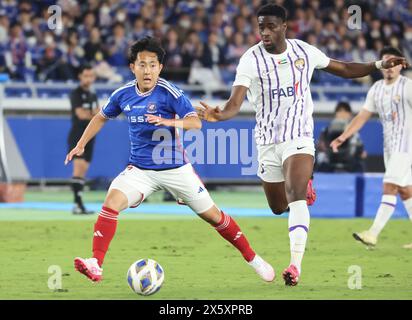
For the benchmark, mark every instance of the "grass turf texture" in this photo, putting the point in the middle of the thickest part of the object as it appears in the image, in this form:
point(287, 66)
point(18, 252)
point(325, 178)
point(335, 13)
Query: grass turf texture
point(198, 263)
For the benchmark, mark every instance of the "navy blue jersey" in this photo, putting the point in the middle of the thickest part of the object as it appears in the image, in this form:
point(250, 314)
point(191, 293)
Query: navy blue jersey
point(151, 147)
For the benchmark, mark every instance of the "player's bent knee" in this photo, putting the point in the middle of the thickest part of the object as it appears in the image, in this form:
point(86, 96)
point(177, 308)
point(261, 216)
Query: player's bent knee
point(211, 215)
point(278, 210)
point(116, 200)
point(405, 193)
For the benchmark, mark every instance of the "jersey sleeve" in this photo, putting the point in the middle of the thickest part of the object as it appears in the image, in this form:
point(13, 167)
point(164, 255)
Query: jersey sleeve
point(112, 108)
point(318, 58)
point(408, 91)
point(182, 106)
point(244, 72)
point(75, 100)
point(369, 104)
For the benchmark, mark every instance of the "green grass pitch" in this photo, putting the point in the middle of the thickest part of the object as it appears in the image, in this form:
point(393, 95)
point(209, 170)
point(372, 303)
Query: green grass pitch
point(198, 263)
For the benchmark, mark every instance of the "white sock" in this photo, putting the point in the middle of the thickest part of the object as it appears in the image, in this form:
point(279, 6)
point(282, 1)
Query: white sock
point(408, 206)
point(384, 213)
point(299, 219)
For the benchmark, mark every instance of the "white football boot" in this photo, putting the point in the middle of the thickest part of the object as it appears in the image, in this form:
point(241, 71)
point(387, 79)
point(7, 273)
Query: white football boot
point(366, 237)
point(262, 268)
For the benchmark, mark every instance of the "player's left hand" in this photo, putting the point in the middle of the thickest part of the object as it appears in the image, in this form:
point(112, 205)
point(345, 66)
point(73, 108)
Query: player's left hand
point(159, 121)
point(394, 61)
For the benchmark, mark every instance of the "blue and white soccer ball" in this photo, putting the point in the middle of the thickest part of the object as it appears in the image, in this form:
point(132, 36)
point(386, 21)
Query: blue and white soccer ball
point(145, 277)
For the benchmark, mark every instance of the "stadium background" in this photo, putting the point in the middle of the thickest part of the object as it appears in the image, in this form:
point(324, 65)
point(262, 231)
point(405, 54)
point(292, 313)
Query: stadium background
point(204, 41)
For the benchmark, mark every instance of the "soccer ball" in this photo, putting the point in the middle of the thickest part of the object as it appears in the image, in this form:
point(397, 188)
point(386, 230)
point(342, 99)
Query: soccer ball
point(145, 277)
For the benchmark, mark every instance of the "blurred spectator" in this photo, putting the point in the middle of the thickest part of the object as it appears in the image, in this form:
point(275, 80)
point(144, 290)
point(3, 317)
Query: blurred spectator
point(94, 49)
point(17, 58)
point(73, 55)
point(321, 23)
point(192, 49)
point(4, 29)
point(117, 46)
point(235, 50)
point(351, 155)
point(173, 58)
point(139, 30)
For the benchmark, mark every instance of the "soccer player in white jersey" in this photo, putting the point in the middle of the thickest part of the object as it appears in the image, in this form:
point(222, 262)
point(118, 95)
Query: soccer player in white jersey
point(157, 160)
point(391, 98)
point(275, 75)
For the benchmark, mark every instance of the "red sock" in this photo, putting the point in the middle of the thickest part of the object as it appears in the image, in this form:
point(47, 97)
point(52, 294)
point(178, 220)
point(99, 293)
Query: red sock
point(104, 230)
point(228, 229)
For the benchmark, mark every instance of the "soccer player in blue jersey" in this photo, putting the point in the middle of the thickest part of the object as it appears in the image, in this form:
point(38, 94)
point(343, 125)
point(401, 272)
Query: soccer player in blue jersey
point(157, 160)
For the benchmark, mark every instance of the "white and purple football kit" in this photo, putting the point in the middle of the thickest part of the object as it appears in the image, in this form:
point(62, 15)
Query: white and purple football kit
point(278, 89)
point(157, 159)
point(393, 103)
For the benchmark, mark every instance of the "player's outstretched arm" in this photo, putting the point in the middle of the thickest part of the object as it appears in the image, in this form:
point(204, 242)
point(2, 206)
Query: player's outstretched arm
point(91, 130)
point(354, 126)
point(187, 123)
point(231, 108)
point(356, 70)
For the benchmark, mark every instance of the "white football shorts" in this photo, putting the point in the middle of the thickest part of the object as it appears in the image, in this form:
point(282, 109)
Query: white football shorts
point(398, 169)
point(183, 183)
point(272, 156)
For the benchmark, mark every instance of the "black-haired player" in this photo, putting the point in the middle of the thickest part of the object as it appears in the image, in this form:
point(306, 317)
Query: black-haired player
point(275, 74)
point(84, 105)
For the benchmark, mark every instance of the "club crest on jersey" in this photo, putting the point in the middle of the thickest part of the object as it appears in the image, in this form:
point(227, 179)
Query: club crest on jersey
point(397, 98)
point(300, 64)
point(151, 108)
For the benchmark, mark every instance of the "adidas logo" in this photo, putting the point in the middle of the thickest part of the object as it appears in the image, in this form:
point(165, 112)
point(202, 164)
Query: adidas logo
point(127, 108)
point(200, 190)
point(238, 235)
point(98, 234)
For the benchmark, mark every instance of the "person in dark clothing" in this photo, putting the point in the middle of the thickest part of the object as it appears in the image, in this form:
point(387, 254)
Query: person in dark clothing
point(351, 155)
point(84, 106)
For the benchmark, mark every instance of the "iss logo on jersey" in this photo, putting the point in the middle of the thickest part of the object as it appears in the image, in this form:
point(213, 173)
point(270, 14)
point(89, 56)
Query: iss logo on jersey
point(151, 108)
point(299, 64)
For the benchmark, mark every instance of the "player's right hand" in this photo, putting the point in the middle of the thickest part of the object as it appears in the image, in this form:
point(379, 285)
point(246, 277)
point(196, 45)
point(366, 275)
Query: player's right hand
point(76, 151)
point(335, 144)
point(208, 113)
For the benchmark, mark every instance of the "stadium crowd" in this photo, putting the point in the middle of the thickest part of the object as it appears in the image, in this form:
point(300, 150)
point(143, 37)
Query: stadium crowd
point(203, 39)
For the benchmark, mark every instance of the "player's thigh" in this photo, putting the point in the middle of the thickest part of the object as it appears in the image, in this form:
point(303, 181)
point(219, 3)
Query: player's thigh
point(298, 157)
point(405, 192)
point(116, 200)
point(390, 188)
point(276, 196)
point(88, 151)
point(135, 184)
point(185, 185)
point(298, 170)
point(398, 169)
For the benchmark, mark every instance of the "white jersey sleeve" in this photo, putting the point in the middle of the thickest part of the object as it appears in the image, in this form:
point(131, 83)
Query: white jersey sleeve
point(408, 91)
point(369, 104)
point(244, 72)
point(318, 58)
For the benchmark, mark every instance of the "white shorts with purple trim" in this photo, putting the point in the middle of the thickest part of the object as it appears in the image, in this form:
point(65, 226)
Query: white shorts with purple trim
point(398, 169)
point(272, 156)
